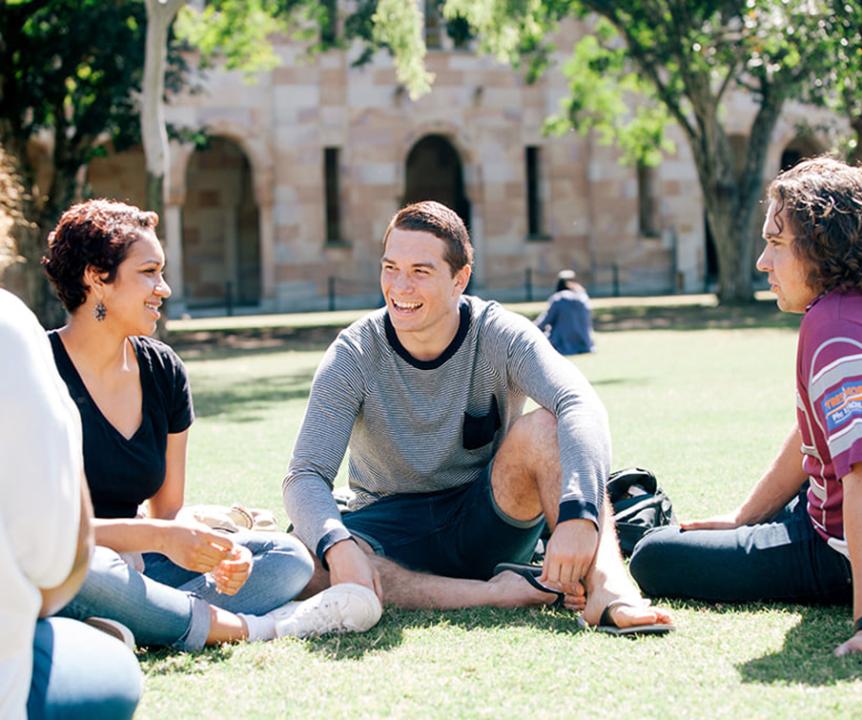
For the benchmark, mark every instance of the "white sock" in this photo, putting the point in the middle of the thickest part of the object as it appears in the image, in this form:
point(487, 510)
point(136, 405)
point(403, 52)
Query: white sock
point(260, 627)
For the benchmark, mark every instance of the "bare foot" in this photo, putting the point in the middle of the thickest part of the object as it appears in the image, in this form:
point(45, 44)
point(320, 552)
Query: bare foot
point(512, 590)
point(624, 615)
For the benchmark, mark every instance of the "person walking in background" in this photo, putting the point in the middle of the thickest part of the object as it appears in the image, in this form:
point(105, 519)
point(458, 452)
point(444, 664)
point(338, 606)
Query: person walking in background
point(797, 537)
point(568, 320)
point(50, 667)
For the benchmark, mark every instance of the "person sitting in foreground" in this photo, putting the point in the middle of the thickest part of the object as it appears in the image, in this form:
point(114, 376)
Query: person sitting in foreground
point(568, 320)
point(797, 537)
point(450, 478)
point(50, 667)
point(194, 586)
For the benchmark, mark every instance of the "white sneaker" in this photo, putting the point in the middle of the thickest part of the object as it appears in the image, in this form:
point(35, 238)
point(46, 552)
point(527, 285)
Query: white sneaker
point(113, 628)
point(342, 608)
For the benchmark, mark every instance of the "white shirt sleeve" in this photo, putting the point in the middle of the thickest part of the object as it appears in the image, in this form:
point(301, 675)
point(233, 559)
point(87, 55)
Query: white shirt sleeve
point(41, 450)
point(41, 468)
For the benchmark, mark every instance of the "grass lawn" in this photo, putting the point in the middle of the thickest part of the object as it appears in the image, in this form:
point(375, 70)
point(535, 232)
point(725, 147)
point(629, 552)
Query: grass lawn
point(705, 407)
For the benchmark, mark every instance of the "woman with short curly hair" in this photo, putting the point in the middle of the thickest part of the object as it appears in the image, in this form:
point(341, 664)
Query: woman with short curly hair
point(797, 537)
point(94, 234)
point(171, 581)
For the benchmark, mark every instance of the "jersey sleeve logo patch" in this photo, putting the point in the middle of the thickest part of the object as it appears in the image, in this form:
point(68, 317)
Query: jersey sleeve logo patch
point(842, 404)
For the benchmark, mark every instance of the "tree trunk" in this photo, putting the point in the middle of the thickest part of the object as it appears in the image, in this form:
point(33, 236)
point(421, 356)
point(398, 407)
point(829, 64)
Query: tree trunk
point(715, 168)
point(751, 182)
point(29, 231)
point(855, 155)
point(154, 132)
point(155, 197)
point(160, 15)
point(730, 200)
point(61, 194)
point(30, 234)
point(732, 236)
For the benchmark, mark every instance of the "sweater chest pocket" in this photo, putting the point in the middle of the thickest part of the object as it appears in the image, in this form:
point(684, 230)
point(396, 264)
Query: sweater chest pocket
point(479, 430)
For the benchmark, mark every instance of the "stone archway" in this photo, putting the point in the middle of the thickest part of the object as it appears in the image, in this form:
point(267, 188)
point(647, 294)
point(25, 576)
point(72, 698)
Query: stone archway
point(798, 149)
point(220, 228)
point(434, 171)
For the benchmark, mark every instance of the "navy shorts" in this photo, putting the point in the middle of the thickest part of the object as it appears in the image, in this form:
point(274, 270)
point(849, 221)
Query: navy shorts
point(460, 532)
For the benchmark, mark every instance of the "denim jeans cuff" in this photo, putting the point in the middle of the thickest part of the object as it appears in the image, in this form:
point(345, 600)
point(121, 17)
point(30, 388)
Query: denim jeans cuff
point(195, 637)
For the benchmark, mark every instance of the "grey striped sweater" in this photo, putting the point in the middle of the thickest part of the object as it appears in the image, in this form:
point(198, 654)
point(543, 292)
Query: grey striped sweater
point(414, 426)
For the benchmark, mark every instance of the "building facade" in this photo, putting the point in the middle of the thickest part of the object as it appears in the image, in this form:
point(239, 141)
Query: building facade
point(285, 205)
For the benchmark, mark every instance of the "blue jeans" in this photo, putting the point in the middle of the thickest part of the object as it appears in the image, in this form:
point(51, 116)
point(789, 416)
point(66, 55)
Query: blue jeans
point(80, 672)
point(783, 560)
point(168, 605)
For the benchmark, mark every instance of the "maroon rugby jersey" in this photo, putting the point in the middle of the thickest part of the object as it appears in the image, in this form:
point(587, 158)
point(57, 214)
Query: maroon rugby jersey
point(829, 404)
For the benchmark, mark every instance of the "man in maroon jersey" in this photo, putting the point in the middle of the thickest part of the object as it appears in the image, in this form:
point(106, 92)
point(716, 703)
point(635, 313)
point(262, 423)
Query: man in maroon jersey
point(797, 537)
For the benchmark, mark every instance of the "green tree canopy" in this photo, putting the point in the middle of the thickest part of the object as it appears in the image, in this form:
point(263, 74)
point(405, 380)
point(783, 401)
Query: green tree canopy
point(842, 89)
point(75, 70)
point(680, 58)
point(63, 72)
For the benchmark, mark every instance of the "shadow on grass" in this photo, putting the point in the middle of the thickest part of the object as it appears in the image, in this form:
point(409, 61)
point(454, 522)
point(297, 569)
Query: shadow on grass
point(639, 381)
point(217, 344)
point(243, 401)
point(221, 344)
point(760, 314)
point(390, 632)
point(167, 661)
point(806, 657)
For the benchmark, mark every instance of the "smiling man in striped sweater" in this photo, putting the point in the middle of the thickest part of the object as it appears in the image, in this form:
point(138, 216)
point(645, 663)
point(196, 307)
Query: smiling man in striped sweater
point(450, 478)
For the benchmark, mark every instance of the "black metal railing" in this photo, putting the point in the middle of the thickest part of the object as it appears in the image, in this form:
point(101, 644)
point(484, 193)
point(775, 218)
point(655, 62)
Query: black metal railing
point(527, 285)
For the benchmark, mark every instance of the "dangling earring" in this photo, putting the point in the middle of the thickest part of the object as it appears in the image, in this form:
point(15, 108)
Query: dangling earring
point(100, 312)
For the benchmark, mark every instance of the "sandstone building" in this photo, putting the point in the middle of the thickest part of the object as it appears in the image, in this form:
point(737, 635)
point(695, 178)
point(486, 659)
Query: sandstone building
point(284, 207)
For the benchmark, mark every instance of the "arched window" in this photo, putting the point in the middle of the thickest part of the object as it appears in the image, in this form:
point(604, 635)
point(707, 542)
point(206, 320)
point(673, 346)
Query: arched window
point(434, 172)
point(221, 238)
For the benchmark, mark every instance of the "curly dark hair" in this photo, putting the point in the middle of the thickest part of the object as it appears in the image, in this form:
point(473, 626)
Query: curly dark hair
point(821, 199)
point(440, 221)
point(94, 233)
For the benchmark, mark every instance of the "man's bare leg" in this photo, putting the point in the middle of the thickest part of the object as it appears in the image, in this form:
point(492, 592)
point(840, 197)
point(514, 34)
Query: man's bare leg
point(526, 480)
point(414, 590)
point(526, 483)
point(608, 580)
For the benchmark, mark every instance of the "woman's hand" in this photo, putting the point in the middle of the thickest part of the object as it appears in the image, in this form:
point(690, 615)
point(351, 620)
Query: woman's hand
point(230, 574)
point(194, 546)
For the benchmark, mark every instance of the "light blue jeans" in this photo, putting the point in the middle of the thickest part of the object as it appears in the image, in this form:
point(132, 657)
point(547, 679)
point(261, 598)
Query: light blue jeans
point(80, 672)
point(168, 605)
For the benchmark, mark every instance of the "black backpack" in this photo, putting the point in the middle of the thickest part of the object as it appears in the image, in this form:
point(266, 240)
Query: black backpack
point(639, 505)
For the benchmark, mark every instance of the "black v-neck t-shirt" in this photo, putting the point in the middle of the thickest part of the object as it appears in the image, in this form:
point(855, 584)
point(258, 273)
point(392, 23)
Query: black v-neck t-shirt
point(122, 473)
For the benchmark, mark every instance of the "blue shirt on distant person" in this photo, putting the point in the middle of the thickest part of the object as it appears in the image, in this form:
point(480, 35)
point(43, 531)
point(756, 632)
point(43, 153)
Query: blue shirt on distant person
point(568, 322)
